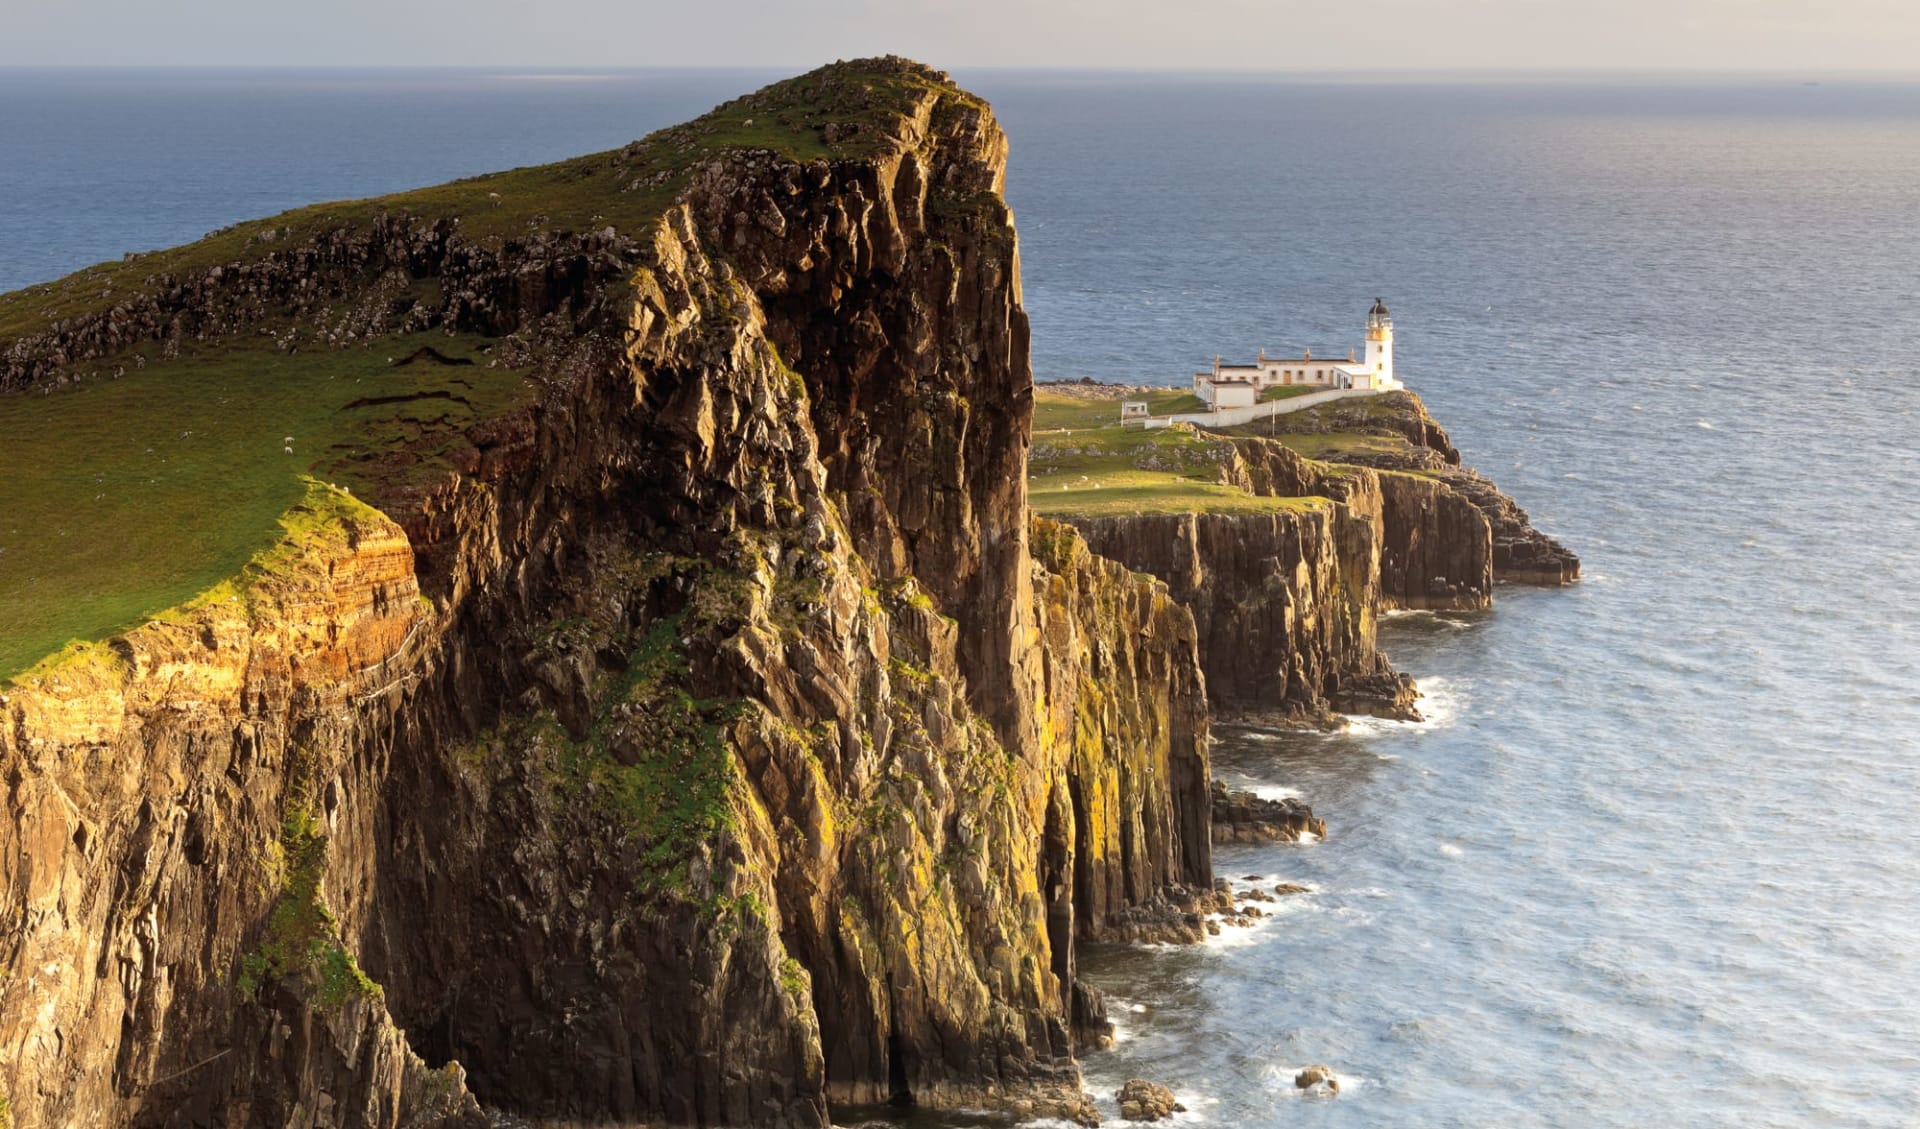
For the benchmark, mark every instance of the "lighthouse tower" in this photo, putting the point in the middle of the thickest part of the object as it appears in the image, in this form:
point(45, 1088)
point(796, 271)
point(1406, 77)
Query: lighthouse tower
point(1380, 343)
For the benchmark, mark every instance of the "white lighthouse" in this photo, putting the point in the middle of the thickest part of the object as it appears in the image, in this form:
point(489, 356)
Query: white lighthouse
point(1246, 385)
point(1380, 344)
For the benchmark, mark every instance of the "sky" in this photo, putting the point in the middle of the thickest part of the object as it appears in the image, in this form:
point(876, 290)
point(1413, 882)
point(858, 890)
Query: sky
point(1811, 37)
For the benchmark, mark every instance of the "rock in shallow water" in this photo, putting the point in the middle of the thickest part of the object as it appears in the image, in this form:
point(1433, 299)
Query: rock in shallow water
point(1141, 1100)
point(1242, 817)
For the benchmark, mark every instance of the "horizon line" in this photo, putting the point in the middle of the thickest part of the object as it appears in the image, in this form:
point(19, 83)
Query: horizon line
point(1182, 70)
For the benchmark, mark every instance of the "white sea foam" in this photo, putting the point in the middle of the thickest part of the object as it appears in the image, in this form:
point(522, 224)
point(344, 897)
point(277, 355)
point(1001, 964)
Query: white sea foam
point(1274, 791)
point(1234, 936)
point(1441, 701)
point(1429, 615)
point(1451, 850)
point(1700, 423)
point(1262, 734)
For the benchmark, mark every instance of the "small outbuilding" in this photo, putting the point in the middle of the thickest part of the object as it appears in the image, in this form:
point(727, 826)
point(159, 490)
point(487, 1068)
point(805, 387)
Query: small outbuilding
point(1232, 394)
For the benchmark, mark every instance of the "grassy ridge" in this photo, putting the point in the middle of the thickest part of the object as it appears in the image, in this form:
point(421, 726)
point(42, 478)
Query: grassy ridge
point(624, 188)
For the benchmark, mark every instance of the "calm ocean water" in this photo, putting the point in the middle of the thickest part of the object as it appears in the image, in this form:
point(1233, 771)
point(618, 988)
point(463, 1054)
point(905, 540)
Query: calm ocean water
point(1654, 860)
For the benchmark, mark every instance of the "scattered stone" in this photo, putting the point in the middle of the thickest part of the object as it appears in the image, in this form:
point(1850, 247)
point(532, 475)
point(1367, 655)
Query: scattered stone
point(1286, 888)
point(1141, 1100)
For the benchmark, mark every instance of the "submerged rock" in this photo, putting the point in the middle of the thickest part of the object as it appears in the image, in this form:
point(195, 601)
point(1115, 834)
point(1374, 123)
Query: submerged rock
point(1319, 1075)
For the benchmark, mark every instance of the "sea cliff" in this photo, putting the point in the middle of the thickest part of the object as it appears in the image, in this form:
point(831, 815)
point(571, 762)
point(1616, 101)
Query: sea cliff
point(706, 732)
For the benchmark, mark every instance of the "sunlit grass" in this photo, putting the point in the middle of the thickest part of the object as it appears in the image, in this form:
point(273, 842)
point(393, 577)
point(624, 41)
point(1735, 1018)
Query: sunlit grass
point(1122, 492)
point(119, 499)
point(1336, 444)
point(1055, 411)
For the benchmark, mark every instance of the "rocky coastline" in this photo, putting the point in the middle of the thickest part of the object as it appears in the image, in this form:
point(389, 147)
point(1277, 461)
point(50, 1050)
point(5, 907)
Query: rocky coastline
point(724, 741)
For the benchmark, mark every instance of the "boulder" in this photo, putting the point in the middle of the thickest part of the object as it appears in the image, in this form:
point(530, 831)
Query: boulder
point(1141, 1100)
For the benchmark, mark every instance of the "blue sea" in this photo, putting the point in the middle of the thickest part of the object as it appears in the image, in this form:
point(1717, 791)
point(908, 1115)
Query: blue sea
point(1654, 857)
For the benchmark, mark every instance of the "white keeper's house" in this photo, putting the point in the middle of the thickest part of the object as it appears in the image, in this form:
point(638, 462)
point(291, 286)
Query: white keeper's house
point(1239, 386)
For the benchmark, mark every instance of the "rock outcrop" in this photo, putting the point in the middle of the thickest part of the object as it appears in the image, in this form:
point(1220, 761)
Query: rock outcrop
point(1520, 553)
point(1141, 1100)
point(712, 751)
point(1242, 817)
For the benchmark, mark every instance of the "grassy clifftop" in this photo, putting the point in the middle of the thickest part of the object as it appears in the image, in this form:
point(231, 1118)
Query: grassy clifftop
point(1084, 464)
point(130, 496)
point(141, 472)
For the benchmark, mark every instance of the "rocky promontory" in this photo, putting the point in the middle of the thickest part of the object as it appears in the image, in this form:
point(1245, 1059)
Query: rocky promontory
point(681, 716)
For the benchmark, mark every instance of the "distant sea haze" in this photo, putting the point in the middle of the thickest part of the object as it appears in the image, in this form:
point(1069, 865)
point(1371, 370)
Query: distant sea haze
point(1651, 860)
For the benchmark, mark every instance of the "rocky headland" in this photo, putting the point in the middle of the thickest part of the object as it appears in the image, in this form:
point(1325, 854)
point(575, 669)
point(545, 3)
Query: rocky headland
point(706, 733)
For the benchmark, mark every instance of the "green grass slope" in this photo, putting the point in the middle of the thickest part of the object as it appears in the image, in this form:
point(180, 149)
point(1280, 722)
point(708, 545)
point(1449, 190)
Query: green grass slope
point(127, 497)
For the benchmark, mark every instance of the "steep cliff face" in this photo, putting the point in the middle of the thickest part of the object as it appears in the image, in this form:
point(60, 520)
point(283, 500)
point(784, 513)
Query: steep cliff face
point(1285, 603)
point(1126, 708)
point(1434, 545)
point(738, 759)
point(175, 791)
